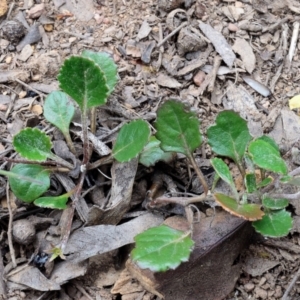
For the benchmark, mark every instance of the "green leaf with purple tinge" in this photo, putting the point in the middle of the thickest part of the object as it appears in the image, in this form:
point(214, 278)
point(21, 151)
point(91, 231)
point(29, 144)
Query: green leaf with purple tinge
point(274, 224)
point(251, 212)
point(161, 248)
point(230, 136)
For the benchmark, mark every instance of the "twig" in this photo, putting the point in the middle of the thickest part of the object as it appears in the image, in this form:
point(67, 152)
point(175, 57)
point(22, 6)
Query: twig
point(171, 34)
point(274, 26)
point(291, 285)
point(293, 42)
point(83, 291)
point(213, 73)
point(30, 88)
point(9, 230)
point(2, 283)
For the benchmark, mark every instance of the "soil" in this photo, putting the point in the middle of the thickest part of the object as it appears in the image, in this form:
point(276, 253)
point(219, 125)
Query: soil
point(256, 77)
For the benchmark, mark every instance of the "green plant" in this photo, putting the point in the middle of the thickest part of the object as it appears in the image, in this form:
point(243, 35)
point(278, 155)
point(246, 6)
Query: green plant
point(88, 79)
point(255, 158)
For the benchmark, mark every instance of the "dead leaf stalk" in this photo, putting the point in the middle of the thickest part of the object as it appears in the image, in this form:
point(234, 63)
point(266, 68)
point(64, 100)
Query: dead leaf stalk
point(9, 230)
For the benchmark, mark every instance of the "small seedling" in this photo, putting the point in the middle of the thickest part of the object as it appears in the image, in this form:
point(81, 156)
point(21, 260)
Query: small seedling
point(178, 131)
point(88, 80)
point(230, 137)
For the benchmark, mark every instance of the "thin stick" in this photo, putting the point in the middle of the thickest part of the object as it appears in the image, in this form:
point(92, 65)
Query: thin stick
point(29, 87)
point(291, 285)
point(213, 74)
point(293, 41)
point(9, 230)
point(171, 34)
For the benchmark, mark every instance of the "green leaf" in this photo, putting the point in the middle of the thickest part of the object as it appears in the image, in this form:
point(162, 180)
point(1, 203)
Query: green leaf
point(274, 204)
point(83, 80)
point(58, 111)
point(161, 248)
point(177, 129)
point(249, 212)
point(265, 182)
point(33, 144)
point(25, 190)
point(270, 141)
point(19, 177)
point(274, 224)
point(131, 140)
point(266, 156)
point(230, 136)
point(152, 153)
point(250, 183)
point(107, 66)
point(223, 171)
point(58, 202)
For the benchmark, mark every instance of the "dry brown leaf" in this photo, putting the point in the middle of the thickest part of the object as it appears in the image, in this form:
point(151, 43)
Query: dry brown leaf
point(243, 48)
point(3, 7)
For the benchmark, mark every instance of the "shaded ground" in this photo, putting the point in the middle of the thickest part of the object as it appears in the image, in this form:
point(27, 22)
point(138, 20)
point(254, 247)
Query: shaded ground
point(185, 66)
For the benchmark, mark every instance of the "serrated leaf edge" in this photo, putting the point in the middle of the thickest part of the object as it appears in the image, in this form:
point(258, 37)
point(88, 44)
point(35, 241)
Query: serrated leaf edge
point(63, 66)
point(32, 129)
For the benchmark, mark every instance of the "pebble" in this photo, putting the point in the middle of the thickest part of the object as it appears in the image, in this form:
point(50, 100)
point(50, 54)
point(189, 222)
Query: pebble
point(262, 281)
point(249, 287)
point(233, 27)
point(25, 53)
point(199, 78)
point(260, 293)
point(278, 292)
point(13, 31)
point(22, 94)
point(8, 59)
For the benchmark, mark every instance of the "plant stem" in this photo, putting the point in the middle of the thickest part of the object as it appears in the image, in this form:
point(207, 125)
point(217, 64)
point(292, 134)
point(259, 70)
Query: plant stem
point(70, 142)
point(199, 174)
point(61, 161)
point(93, 120)
point(67, 230)
point(241, 168)
point(85, 136)
point(102, 161)
point(86, 157)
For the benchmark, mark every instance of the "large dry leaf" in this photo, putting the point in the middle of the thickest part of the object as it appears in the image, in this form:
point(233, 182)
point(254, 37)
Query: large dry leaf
point(243, 48)
point(90, 241)
point(123, 175)
point(31, 277)
point(212, 269)
point(219, 42)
